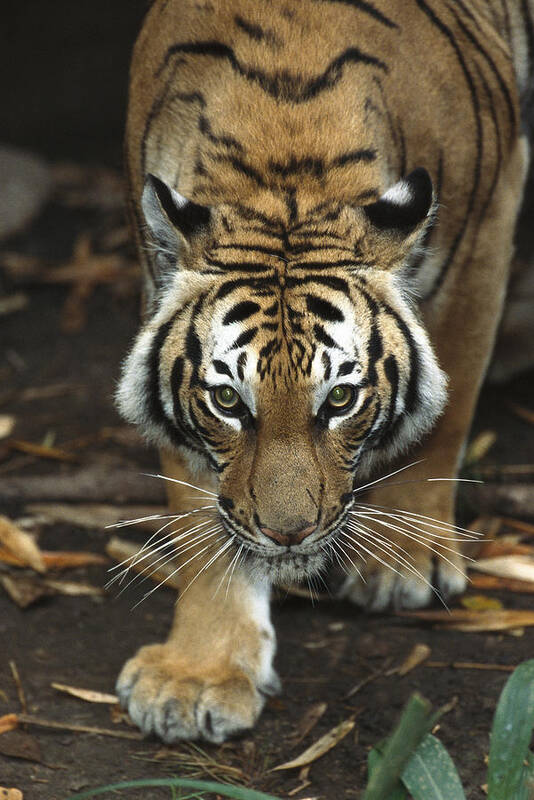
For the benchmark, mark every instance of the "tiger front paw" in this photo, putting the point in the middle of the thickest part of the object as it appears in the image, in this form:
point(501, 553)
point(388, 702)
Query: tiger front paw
point(378, 587)
point(174, 700)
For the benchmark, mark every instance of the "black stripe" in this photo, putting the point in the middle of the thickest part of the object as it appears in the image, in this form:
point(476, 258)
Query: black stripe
point(205, 128)
point(272, 310)
point(154, 404)
point(440, 25)
point(391, 371)
point(269, 251)
point(498, 158)
point(222, 368)
point(368, 8)
point(355, 157)
point(241, 362)
point(375, 351)
point(241, 312)
point(323, 309)
point(346, 368)
point(504, 88)
point(322, 336)
point(342, 262)
point(332, 281)
point(281, 85)
point(236, 283)
point(295, 166)
point(244, 338)
point(239, 266)
point(256, 32)
point(327, 364)
point(240, 166)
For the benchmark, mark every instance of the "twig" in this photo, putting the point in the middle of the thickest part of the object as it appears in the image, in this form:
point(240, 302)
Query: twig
point(469, 665)
point(18, 684)
point(29, 719)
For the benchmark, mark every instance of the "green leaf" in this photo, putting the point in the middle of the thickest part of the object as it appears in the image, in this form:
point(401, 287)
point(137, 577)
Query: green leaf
point(414, 724)
point(373, 760)
point(431, 775)
point(510, 737)
point(234, 792)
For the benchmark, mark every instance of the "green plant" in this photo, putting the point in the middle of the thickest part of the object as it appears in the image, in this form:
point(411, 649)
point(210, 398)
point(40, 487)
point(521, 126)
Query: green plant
point(426, 771)
point(412, 763)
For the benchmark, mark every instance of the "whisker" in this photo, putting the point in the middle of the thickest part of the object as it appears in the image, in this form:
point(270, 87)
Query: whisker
point(441, 525)
point(424, 542)
point(374, 555)
point(124, 522)
point(182, 483)
point(430, 535)
point(226, 571)
point(236, 561)
point(206, 566)
point(166, 541)
point(174, 572)
point(376, 542)
point(166, 557)
point(385, 477)
point(153, 536)
point(349, 559)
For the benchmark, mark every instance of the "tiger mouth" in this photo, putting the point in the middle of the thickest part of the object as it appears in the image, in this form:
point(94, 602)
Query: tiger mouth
point(286, 562)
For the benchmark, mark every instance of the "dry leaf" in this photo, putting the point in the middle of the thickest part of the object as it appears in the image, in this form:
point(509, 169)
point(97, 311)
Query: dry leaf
point(8, 723)
point(25, 591)
point(419, 653)
point(20, 544)
point(489, 582)
point(13, 303)
point(479, 447)
point(480, 602)
point(10, 794)
point(460, 619)
point(41, 451)
point(309, 721)
point(56, 559)
point(90, 695)
point(519, 525)
point(7, 423)
point(73, 589)
point(504, 546)
point(523, 413)
point(20, 744)
point(320, 747)
point(518, 567)
point(67, 559)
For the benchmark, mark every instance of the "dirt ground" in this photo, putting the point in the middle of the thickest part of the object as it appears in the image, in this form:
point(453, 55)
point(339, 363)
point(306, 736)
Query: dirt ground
point(59, 362)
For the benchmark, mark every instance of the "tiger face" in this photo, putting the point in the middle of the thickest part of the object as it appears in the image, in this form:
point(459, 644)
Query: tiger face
point(287, 360)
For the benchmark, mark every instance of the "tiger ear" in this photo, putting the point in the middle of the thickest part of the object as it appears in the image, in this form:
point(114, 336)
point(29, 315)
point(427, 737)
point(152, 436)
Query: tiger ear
point(399, 218)
point(170, 216)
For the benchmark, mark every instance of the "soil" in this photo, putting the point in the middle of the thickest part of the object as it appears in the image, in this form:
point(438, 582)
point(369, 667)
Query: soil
point(59, 386)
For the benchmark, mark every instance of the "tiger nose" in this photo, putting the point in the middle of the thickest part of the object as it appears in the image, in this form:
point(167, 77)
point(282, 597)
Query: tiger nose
point(291, 537)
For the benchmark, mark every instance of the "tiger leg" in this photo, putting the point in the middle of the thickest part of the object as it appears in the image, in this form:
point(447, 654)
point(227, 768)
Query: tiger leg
point(210, 678)
point(407, 554)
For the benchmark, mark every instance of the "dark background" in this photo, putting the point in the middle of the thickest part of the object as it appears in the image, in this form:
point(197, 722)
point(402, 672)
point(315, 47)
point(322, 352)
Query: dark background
point(64, 73)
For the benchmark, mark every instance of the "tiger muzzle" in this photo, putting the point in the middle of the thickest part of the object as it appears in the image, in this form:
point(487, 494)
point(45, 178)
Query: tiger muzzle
point(291, 537)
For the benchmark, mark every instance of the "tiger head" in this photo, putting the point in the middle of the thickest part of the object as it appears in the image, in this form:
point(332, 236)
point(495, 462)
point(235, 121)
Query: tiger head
point(285, 356)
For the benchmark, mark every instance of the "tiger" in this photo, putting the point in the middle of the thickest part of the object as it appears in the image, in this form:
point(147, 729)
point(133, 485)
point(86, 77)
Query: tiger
point(324, 195)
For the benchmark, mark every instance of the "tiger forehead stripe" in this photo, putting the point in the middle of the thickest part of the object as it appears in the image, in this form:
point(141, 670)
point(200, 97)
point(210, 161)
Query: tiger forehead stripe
point(282, 85)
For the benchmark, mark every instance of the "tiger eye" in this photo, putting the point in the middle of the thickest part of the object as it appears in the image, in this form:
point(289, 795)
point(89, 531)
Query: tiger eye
point(226, 397)
point(340, 396)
